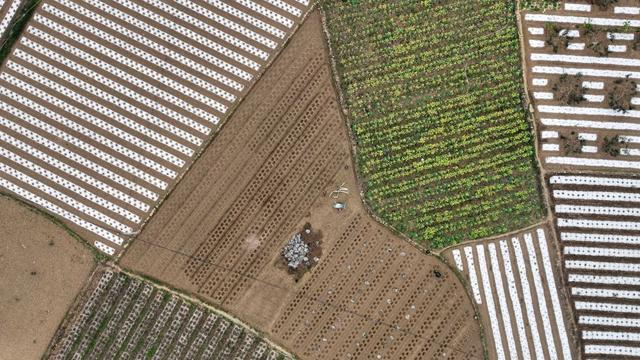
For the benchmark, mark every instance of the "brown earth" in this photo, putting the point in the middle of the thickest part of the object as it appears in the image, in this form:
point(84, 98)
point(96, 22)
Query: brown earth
point(270, 171)
point(42, 268)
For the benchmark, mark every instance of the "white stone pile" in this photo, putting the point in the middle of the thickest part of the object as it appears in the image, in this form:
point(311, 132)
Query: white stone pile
point(296, 252)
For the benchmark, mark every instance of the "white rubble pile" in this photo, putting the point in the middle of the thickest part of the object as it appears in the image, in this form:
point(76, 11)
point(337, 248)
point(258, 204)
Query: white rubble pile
point(296, 252)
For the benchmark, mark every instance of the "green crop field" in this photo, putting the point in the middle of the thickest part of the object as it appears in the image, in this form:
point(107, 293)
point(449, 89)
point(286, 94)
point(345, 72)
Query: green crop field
point(433, 90)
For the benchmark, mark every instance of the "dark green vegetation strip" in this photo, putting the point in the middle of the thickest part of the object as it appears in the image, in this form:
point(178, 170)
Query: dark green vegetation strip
point(19, 22)
point(434, 91)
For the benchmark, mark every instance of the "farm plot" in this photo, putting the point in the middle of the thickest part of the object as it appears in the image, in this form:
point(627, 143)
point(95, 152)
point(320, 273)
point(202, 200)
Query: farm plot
point(104, 104)
point(123, 317)
point(443, 145)
point(583, 78)
point(517, 285)
point(42, 268)
point(597, 222)
point(268, 173)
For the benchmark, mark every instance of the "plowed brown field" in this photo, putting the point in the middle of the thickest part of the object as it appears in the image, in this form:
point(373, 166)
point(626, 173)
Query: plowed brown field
point(269, 171)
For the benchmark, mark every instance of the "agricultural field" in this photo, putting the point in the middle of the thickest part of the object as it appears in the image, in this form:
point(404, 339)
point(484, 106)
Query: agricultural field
point(597, 224)
point(123, 317)
point(443, 144)
point(42, 268)
point(280, 167)
point(516, 282)
point(582, 78)
point(105, 104)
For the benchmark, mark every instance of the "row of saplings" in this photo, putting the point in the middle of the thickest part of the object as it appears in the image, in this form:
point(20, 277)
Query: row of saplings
point(570, 91)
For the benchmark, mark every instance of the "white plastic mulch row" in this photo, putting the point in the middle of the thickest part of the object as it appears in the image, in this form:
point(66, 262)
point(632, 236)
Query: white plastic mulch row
point(597, 210)
point(550, 147)
point(104, 103)
point(592, 162)
point(9, 14)
point(546, 18)
point(549, 134)
point(601, 265)
point(577, 7)
point(457, 257)
point(595, 181)
point(612, 350)
point(513, 307)
point(605, 293)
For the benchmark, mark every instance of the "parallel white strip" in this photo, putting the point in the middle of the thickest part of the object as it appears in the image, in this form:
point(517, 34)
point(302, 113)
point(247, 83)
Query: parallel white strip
point(597, 210)
point(515, 300)
point(528, 301)
point(94, 151)
point(570, 33)
point(601, 266)
point(553, 292)
point(104, 248)
point(612, 350)
point(630, 152)
point(607, 307)
point(468, 253)
point(629, 10)
point(610, 335)
point(103, 110)
point(599, 224)
point(71, 202)
point(543, 95)
point(574, 110)
point(536, 43)
point(228, 23)
point(536, 30)
point(502, 301)
point(71, 170)
point(594, 98)
point(550, 147)
point(591, 60)
point(595, 181)
point(457, 258)
point(608, 321)
point(601, 238)
point(248, 18)
point(592, 162)
point(606, 293)
point(286, 7)
point(588, 136)
point(79, 159)
point(266, 12)
point(142, 10)
point(603, 279)
point(547, 134)
point(74, 126)
point(130, 63)
point(491, 308)
point(575, 46)
point(598, 251)
point(8, 16)
point(617, 48)
point(539, 82)
point(595, 85)
point(608, 125)
point(577, 7)
point(596, 195)
point(60, 211)
point(630, 139)
point(98, 200)
point(173, 40)
point(542, 304)
point(620, 36)
point(584, 71)
point(55, 70)
point(589, 149)
point(153, 45)
point(581, 20)
point(96, 137)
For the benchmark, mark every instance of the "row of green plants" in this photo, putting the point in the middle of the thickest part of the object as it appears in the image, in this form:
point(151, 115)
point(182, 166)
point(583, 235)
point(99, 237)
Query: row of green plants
point(433, 90)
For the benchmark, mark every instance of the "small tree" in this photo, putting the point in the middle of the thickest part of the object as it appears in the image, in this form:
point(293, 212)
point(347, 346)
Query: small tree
point(621, 94)
point(556, 37)
point(597, 38)
point(614, 145)
point(568, 89)
point(572, 144)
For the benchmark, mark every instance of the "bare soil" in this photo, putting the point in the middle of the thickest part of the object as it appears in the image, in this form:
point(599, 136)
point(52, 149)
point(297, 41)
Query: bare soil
point(269, 172)
point(42, 268)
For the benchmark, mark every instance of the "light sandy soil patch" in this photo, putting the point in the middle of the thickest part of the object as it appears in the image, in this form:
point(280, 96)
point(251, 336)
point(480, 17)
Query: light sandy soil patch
point(271, 170)
point(42, 268)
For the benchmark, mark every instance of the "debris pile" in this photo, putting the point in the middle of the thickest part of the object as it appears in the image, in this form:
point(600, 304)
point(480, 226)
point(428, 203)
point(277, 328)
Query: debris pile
point(296, 252)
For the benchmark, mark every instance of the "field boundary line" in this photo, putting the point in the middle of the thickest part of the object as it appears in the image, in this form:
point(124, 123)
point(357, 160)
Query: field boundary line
point(499, 236)
point(198, 302)
point(214, 134)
